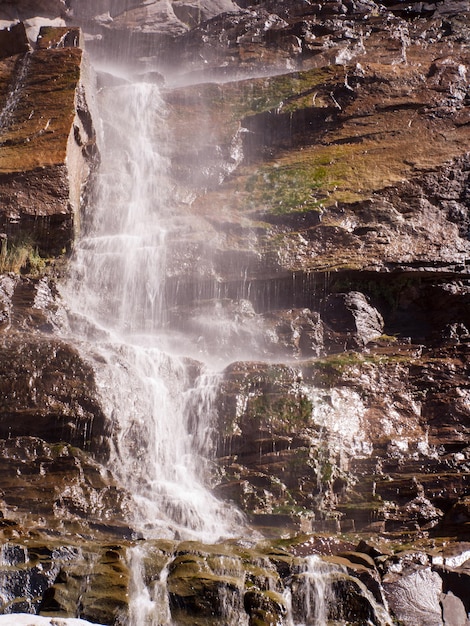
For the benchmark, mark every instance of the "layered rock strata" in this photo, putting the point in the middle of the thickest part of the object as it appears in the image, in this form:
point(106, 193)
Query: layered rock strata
point(324, 203)
point(52, 421)
point(47, 138)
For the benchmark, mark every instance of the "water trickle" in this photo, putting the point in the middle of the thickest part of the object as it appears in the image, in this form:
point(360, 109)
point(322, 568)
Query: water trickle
point(160, 404)
point(312, 592)
point(148, 604)
point(14, 92)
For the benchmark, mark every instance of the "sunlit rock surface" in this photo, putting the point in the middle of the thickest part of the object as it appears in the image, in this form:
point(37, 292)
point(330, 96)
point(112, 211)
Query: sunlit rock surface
point(47, 138)
point(320, 222)
point(54, 433)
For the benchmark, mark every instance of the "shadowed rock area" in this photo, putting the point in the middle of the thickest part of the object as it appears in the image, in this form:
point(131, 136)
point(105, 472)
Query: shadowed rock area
point(320, 221)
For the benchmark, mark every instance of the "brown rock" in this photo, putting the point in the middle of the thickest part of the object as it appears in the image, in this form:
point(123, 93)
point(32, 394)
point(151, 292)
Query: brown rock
point(352, 313)
point(59, 37)
point(47, 144)
point(360, 558)
point(47, 391)
point(13, 41)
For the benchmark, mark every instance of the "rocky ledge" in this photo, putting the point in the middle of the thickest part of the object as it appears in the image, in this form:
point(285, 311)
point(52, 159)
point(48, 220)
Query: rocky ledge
point(47, 138)
point(322, 193)
point(270, 582)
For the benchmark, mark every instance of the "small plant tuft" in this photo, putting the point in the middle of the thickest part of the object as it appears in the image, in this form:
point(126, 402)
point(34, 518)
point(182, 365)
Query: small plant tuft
point(20, 256)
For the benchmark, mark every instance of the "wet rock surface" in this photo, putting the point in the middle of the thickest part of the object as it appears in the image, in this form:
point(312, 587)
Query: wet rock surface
point(302, 437)
point(324, 202)
point(195, 583)
point(47, 138)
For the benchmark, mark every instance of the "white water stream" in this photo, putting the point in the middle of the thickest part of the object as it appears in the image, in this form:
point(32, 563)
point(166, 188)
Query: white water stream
point(14, 93)
point(315, 591)
point(161, 406)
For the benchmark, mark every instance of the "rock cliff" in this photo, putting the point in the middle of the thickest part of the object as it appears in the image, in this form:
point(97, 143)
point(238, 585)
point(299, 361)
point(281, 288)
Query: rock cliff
point(47, 138)
point(320, 170)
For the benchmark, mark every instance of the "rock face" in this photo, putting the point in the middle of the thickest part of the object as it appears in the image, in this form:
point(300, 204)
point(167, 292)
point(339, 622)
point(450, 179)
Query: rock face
point(52, 421)
point(343, 224)
point(47, 138)
point(314, 436)
point(321, 189)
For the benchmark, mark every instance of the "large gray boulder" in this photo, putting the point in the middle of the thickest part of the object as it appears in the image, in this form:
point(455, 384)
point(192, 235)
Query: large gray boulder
point(352, 313)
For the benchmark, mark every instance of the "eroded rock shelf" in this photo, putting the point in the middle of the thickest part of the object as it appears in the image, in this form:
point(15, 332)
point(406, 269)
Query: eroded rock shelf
point(321, 203)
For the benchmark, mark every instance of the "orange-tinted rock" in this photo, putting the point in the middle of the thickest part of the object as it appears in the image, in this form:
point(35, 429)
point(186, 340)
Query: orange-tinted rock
point(47, 141)
point(59, 37)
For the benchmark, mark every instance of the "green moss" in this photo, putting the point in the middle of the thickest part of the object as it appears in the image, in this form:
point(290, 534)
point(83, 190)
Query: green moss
point(388, 338)
point(295, 510)
point(327, 472)
point(368, 505)
point(288, 409)
point(283, 189)
point(312, 179)
point(286, 92)
point(20, 256)
point(337, 364)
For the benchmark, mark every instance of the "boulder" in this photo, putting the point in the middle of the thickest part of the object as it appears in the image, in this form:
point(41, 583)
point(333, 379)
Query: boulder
point(455, 580)
point(413, 596)
point(453, 610)
point(351, 313)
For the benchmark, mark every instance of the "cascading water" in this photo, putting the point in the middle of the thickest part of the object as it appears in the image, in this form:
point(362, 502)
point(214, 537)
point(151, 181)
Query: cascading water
point(161, 404)
point(313, 592)
point(14, 92)
point(161, 411)
point(148, 605)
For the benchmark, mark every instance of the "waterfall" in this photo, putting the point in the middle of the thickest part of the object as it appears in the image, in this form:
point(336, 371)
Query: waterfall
point(320, 592)
point(148, 604)
point(121, 259)
point(311, 592)
point(160, 404)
